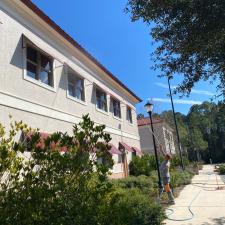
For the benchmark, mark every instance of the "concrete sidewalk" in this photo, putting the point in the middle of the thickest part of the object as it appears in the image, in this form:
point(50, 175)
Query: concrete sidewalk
point(208, 205)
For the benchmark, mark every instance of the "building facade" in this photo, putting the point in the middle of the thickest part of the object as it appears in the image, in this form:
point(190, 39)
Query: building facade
point(49, 81)
point(163, 136)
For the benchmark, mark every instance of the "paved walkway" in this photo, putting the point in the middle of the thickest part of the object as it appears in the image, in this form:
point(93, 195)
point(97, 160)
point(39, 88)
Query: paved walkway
point(208, 205)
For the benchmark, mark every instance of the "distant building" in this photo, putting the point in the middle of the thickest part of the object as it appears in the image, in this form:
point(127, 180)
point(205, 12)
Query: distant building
point(163, 135)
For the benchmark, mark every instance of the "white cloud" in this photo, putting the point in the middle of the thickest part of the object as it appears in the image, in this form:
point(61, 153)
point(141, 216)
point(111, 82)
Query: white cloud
point(178, 101)
point(164, 85)
point(202, 92)
point(193, 91)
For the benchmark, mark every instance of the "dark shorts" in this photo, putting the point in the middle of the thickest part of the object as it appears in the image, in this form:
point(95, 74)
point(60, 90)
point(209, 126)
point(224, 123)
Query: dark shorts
point(165, 180)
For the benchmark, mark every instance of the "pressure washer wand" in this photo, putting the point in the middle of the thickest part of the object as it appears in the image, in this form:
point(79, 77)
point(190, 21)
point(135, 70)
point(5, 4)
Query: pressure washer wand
point(160, 145)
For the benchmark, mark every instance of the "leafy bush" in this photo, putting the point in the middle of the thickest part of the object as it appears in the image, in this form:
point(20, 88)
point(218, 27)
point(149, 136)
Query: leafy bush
point(59, 182)
point(221, 169)
point(142, 165)
point(176, 162)
point(179, 178)
point(146, 164)
point(131, 207)
point(143, 183)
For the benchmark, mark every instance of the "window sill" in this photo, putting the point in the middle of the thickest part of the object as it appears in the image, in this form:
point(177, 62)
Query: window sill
point(102, 111)
point(117, 172)
point(76, 100)
point(40, 84)
point(117, 118)
point(131, 124)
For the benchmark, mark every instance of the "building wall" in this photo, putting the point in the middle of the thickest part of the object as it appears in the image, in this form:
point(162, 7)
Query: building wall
point(48, 108)
point(168, 139)
point(161, 132)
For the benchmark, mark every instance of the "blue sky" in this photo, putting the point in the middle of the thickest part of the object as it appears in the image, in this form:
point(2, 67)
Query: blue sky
point(123, 47)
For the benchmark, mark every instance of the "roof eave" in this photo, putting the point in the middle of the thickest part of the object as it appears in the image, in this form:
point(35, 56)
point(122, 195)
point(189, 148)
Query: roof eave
point(59, 30)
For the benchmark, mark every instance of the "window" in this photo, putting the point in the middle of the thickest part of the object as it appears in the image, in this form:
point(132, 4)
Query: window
point(134, 154)
point(104, 161)
point(101, 100)
point(39, 66)
point(116, 108)
point(120, 158)
point(76, 86)
point(129, 115)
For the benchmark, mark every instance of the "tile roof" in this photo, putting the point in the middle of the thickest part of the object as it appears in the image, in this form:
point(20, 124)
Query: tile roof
point(146, 121)
point(59, 30)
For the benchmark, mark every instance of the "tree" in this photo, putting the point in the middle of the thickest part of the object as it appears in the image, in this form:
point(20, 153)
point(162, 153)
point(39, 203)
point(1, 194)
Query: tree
point(190, 36)
point(207, 122)
point(202, 130)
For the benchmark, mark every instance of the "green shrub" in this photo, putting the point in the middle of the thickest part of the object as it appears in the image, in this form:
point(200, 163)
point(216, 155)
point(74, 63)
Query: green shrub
point(143, 183)
point(146, 164)
point(142, 165)
point(179, 178)
point(221, 169)
point(131, 207)
point(176, 162)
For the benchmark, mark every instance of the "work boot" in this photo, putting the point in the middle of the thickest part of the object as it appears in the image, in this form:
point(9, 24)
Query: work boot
point(171, 198)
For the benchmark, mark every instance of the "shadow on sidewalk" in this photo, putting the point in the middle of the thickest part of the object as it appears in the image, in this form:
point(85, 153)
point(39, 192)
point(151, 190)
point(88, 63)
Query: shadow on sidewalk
point(217, 221)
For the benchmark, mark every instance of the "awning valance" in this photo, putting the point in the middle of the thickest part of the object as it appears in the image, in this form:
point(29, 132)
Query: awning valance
point(41, 143)
point(114, 150)
point(125, 147)
point(138, 151)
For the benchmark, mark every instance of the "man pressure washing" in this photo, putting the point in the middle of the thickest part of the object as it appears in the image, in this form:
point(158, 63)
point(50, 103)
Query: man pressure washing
point(165, 176)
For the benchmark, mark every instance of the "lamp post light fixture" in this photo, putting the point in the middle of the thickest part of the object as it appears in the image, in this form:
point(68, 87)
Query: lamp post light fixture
point(149, 109)
point(175, 121)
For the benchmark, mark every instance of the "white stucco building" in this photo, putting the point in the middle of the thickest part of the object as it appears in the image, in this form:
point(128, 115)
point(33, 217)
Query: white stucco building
point(49, 81)
point(163, 135)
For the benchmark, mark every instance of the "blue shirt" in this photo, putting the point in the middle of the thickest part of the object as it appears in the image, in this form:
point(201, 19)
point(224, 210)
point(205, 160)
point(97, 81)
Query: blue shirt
point(165, 168)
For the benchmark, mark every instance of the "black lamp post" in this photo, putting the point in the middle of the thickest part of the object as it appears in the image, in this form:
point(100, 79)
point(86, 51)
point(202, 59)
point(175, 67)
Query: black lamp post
point(149, 109)
point(208, 131)
point(175, 121)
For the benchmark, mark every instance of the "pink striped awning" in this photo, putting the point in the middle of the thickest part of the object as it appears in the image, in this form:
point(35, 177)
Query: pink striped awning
point(138, 151)
point(126, 147)
point(114, 150)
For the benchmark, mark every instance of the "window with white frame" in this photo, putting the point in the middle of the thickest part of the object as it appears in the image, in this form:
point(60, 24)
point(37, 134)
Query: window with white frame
point(101, 100)
point(116, 108)
point(129, 115)
point(76, 86)
point(39, 66)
